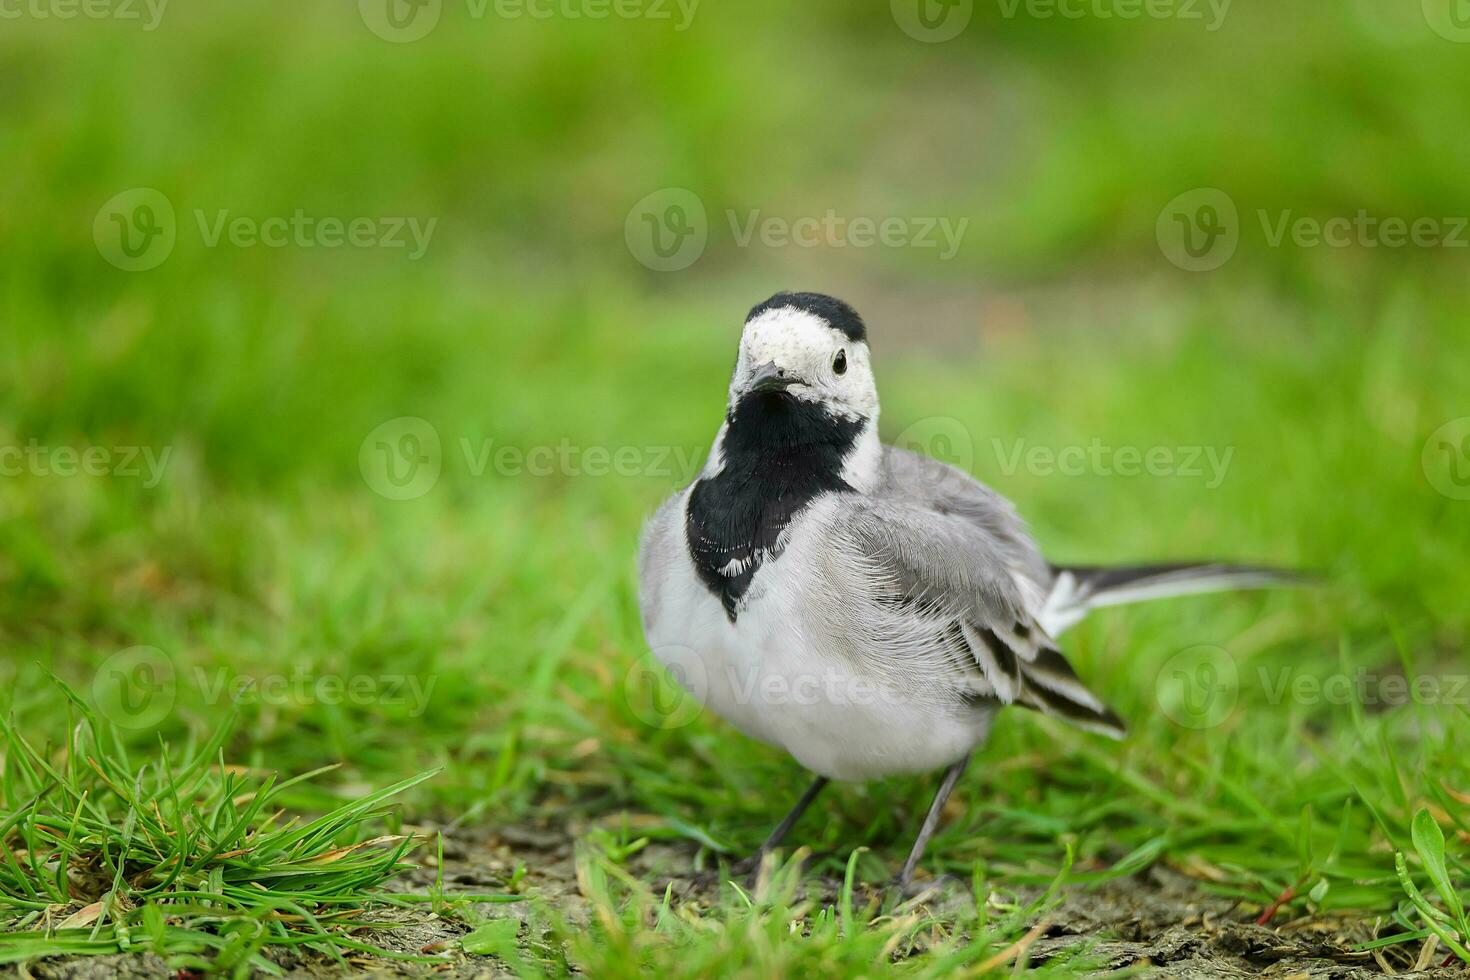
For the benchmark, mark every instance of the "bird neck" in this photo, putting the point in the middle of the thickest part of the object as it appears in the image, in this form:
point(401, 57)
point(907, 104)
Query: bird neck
point(774, 456)
point(786, 445)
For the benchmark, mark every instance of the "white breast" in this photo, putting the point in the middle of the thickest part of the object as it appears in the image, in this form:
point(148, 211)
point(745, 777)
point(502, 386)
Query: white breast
point(779, 676)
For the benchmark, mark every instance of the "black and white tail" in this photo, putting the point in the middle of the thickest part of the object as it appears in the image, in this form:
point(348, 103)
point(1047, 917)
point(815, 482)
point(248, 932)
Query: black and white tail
point(1078, 589)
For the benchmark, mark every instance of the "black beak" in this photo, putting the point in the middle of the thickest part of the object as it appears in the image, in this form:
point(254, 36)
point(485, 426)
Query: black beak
point(767, 377)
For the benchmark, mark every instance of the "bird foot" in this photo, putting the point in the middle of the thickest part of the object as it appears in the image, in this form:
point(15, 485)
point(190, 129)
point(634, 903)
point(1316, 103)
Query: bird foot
point(742, 872)
point(914, 890)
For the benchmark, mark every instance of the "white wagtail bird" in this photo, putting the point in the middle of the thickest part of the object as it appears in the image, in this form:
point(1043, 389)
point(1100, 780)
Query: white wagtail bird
point(866, 608)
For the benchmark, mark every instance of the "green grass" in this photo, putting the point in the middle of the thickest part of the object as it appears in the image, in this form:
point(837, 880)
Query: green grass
point(491, 623)
point(186, 857)
point(768, 931)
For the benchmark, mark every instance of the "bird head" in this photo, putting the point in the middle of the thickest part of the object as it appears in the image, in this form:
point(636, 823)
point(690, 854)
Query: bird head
point(809, 348)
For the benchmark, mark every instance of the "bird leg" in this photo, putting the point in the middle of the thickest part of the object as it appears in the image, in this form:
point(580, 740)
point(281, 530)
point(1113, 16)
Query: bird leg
point(951, 777)
point(753, 863)
point(751, 866)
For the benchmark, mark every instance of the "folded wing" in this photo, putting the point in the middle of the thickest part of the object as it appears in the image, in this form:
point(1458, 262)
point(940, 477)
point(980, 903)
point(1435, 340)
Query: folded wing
point(940, 596)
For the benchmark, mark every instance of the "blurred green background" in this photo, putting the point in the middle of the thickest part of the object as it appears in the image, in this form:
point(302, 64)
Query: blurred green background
point(531, 320)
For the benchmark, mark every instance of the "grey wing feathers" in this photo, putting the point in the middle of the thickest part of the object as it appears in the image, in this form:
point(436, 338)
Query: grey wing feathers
point(952, 559)
point(924, 482)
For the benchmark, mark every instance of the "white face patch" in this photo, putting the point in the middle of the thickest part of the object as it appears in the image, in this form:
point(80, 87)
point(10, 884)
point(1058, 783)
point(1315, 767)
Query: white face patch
point(805, 346)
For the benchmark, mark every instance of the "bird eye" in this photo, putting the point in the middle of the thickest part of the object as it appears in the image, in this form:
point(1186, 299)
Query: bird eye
point(839, 365)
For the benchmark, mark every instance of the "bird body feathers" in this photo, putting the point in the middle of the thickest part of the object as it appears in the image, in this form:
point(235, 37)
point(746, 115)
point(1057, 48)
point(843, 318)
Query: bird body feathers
point(881, 636)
